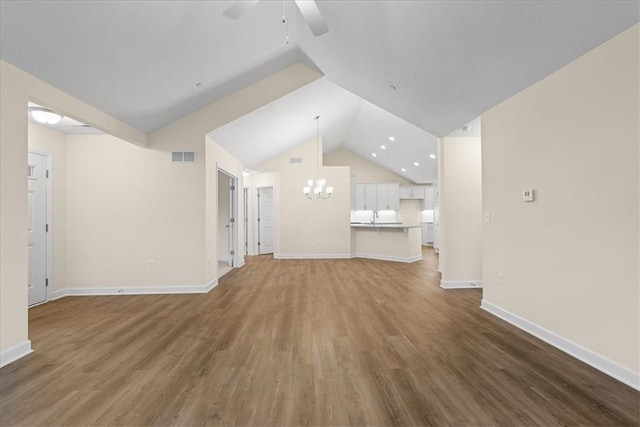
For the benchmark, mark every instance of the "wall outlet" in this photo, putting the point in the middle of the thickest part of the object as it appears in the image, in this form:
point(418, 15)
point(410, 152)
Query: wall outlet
point(500, 279)
point(152, 264)
point(487, 216)
point(528, 195)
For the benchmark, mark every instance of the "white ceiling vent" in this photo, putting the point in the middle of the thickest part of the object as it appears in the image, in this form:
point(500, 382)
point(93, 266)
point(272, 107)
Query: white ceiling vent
point(295, 160)
point(183, 156)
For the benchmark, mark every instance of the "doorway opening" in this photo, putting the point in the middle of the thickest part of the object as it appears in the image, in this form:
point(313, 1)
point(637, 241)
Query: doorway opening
point(227, 227)
point(265, 220)
point(39, 218)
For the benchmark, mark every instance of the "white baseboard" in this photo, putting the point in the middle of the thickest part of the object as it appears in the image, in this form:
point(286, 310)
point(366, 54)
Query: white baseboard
point(388, 257)
point(134, 290)
point(460, 284)
point(601, 363)
point(14, 353)
point(312, 256)
point(240, 264)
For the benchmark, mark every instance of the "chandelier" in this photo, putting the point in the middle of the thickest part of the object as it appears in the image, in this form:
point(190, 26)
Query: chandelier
point(317, 185)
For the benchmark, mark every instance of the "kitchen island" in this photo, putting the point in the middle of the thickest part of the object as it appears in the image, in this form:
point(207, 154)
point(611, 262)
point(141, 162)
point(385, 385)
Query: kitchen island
point(386, 241)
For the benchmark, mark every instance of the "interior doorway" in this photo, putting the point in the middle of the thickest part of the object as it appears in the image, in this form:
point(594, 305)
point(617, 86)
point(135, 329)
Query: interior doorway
point(39, 214)
point(265, 220)
point(227, 230)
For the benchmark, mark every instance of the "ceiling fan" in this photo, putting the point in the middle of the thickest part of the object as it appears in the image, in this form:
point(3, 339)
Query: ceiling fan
point(308, 8)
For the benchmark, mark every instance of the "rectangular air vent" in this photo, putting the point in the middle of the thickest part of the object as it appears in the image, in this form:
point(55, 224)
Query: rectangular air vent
point(295, 160)
point(183, 156)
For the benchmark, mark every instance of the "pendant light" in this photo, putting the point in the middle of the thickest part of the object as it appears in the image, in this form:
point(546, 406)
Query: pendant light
point(317, 185)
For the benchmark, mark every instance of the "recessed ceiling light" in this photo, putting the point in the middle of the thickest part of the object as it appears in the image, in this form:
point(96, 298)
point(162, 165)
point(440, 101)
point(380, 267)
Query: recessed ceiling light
point(199, 84)
point(466, 128)
point(374, 154)
point(392, 138)
point(384, 147)
point(416, 164)
point(403, 170)
point(392, 87)
point(433, 156)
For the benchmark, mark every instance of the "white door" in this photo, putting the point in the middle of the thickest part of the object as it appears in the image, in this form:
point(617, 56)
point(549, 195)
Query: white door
point(231, 249)
point(265, 220)
point(37, 231)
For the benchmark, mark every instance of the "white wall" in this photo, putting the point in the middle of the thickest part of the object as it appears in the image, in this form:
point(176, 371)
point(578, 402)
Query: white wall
point(310, 228)
point(54, 143)
point(460, 211)
point(569, 259)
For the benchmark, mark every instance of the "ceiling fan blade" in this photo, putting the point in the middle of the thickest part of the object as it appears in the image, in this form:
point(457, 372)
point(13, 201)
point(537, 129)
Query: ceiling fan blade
point(237, 9)
point(312, 15)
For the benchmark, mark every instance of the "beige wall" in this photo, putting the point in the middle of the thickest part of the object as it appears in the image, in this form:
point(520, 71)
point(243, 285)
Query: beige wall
point(569, 259)
point(310, 228)
point(364, 170)
point(54, 143)
point(16, 89)
point(217, 157)
point(128, 207)
point(460, 210)
point(166, 218)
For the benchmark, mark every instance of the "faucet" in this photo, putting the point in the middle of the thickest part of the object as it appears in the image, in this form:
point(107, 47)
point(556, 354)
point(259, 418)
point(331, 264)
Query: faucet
point(375, 215)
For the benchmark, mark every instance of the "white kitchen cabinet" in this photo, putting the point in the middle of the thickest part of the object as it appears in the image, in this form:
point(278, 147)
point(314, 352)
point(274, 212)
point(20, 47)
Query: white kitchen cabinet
point(376, 196)
point(388, 196)
point(366, 197)
point(412, 192)
point(427, 234)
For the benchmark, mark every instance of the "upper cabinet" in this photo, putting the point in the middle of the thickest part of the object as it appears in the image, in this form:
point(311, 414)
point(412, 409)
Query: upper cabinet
point(388, 196)
point(415, 192)
point(377, 196)
point(366, 197)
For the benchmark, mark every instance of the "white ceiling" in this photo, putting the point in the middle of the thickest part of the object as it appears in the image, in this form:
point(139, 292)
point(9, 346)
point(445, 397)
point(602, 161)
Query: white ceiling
point(450, 60)
point(346, 120)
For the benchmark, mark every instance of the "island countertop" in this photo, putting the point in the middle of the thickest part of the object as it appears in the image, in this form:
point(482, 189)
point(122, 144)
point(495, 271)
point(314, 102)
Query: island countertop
point(383, 225)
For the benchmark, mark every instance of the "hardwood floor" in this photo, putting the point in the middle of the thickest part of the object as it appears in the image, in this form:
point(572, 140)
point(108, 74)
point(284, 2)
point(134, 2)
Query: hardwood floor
point(301, 342)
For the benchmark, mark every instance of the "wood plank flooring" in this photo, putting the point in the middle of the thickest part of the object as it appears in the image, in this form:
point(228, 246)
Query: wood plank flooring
point(301, 342)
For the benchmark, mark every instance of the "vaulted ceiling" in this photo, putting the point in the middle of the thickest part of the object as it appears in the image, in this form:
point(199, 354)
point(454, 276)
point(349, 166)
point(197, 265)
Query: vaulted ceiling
point(149, 63)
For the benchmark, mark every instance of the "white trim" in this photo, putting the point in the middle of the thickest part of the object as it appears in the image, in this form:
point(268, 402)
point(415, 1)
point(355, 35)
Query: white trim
point(14, 353)
point(460, 284)
point(240, 264)
point(389, 257)
point(312, 256)
point(601, 363)
point(135, 290)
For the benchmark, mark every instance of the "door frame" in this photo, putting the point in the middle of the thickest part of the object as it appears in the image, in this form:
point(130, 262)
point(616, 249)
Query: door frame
point(49, 234)
point(233, 205)
point(257, 223)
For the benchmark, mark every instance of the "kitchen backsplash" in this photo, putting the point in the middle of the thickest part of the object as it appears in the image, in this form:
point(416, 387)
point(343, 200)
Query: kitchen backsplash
point(367, 216)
